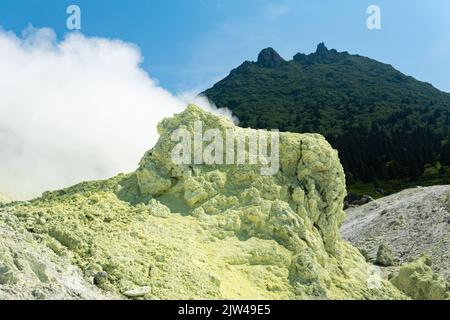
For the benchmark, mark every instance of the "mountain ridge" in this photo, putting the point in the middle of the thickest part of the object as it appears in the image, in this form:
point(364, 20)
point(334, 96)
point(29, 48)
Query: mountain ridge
point(385, 124)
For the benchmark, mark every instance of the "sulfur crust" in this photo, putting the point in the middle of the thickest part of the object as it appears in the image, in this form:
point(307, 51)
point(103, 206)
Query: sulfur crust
point(212, 232)
point(419, 281)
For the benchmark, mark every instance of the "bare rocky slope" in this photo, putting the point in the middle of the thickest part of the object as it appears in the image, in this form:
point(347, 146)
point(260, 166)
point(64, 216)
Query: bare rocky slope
point(31, 270)
point(412, 222)
point(180, 231)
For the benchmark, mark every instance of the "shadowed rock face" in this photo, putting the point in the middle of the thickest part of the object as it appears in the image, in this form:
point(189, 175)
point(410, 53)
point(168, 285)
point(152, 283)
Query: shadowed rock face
point(211, 231)
point(269, 58)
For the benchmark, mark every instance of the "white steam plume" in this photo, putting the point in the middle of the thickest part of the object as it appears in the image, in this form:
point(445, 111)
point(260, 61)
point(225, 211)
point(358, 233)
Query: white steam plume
point(73, 110)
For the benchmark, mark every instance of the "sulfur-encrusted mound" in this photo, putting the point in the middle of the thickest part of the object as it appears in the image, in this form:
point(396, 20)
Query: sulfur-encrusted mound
point(418, 280)
point(199, 231)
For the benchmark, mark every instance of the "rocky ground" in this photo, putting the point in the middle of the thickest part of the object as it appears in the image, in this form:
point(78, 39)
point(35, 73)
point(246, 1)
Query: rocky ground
point(411, 222)
point(30, 270)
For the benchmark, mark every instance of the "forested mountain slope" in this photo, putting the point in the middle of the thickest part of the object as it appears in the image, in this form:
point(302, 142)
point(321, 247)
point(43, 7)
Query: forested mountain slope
point(385, 125)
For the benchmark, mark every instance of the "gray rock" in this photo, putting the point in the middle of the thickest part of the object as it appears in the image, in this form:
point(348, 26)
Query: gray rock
point(6, 275)
point(385, 256)
point(137, 292)
point(364, 199)
point(355, 200)
point(39, 295)
point(100, 278)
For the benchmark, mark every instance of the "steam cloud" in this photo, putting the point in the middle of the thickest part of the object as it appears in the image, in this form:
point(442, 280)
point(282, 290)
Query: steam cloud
point(73, 110)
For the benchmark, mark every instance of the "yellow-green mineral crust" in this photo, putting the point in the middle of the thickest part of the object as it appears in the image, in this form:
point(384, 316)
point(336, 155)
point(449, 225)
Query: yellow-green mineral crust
point(418, 280)
point(172, 231)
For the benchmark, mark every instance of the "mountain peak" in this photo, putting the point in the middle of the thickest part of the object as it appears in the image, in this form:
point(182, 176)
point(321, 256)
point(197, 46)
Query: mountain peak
point(322, 55)
point(269, 58)
point(352, 100)
point(321, 48)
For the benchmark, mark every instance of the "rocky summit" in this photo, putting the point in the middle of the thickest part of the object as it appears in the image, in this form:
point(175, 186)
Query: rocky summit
point(180, 231)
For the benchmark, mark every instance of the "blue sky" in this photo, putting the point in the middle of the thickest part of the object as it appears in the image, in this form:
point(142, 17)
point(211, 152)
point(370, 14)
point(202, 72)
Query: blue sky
point(188, 45)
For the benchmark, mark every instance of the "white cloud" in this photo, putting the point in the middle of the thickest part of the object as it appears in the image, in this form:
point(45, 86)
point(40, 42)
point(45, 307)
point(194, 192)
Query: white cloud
point(204, 103)
point(73, 110)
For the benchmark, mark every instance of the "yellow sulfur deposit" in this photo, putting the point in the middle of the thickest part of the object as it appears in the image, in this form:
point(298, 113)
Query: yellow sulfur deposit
point(419, 281)
point(172, 231)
